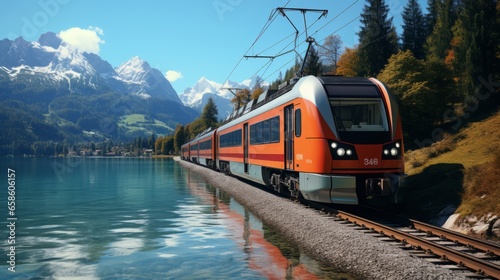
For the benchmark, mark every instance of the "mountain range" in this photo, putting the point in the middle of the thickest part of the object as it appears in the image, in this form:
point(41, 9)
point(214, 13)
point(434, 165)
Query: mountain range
point(197, 96)
point(61, 66)
point(51, 91)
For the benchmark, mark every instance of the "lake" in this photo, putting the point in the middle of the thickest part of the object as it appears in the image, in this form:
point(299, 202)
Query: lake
point(134, 218)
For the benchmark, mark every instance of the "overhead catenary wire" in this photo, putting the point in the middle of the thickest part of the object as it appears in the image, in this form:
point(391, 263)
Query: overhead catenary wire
point(317, 42)
point(297, 33)
point(270, 20)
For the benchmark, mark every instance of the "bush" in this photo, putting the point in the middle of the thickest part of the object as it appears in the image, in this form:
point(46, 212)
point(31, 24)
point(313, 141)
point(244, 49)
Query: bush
point(424, 90)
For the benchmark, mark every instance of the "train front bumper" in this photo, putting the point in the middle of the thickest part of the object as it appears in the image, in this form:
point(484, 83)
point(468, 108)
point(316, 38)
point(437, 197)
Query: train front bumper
point(328, 189)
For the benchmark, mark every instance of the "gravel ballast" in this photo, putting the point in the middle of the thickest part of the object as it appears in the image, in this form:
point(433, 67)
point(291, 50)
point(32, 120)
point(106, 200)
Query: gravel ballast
point(340, 245)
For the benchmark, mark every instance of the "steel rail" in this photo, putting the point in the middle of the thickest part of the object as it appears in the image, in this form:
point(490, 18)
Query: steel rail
point(482, 245)
point(460, 258)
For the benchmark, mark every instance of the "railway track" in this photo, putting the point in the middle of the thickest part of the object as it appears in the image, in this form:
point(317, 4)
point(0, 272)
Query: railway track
point(444, 247)
point(474, 258)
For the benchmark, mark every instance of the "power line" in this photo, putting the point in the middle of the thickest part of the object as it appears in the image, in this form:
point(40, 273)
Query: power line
point(270, 20)
point(286, 63)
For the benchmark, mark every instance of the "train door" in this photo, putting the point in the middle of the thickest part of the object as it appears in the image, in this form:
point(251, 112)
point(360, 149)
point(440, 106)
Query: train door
point(245, 146)
point(289, 137)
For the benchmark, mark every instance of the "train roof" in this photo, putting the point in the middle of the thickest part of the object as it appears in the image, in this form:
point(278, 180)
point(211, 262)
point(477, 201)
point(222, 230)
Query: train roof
point(203, 134)
point(269, 95)
point(341, 80)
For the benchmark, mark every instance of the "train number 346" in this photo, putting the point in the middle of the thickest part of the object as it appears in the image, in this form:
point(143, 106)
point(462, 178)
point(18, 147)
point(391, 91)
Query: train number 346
point(371, 161)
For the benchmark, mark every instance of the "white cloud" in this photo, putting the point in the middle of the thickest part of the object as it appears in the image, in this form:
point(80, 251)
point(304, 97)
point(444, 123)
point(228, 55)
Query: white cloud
point(173, 76)
point(85, 40)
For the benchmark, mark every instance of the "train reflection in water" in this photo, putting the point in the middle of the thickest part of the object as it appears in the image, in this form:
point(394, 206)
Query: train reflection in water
point(267, 252)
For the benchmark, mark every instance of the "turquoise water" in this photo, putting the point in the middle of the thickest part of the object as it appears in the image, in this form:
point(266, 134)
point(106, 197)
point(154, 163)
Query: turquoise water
point(104, 218)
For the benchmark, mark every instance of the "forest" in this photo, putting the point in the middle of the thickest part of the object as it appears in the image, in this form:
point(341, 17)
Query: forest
point(443, 68)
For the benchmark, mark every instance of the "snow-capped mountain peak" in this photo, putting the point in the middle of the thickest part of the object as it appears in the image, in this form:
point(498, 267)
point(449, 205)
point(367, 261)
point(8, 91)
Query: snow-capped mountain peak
point(133, 70)
point(61, 64)
point(144, 81)
point(204, 85)
point(67, 58)
point(197, 96)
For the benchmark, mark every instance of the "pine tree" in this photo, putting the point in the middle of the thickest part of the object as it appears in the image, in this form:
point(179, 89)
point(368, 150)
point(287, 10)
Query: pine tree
point(313, 64)
point(431, 16)
point(377, 39)
point(209, 114)
point(414, 29)
point(475, 44)
point(151, 141)
point(292, 71)
point(439, 41)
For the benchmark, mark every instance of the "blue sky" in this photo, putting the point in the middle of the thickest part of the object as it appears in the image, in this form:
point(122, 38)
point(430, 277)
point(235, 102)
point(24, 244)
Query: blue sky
point(189, 38)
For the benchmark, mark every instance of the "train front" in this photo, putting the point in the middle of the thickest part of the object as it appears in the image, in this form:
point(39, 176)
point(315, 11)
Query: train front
point(363, 140)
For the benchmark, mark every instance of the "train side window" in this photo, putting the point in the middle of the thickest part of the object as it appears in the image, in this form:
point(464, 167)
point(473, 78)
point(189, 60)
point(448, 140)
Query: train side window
point(239, 137)
point(298, 123)
point(258, 133)
point(231, 139)
point(275, 129)
point(253, 135)
point(266, 131)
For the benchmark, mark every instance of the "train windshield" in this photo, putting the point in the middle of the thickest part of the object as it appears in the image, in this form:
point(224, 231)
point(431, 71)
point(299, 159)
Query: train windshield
point(360, 114)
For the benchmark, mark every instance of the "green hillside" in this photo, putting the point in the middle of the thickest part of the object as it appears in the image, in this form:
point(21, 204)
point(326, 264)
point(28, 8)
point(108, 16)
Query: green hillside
point(135, 124)
point(459, 172)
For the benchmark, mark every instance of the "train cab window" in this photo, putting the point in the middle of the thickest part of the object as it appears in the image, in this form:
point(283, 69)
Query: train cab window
point(298, 123)
point(359, 113)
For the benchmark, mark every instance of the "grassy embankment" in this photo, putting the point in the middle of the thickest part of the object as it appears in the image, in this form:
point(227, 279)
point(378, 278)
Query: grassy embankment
point(460, 172)
point(136, 124)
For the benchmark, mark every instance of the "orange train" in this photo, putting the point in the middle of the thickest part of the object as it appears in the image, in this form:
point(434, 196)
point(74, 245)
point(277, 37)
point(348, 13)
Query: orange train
point(328, 139)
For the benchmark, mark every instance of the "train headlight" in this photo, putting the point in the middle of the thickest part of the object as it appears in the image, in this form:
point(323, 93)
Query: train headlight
point(392, 150)
point(342, 151)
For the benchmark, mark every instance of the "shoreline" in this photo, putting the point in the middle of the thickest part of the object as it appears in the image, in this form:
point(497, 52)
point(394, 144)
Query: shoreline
point(357, 253)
